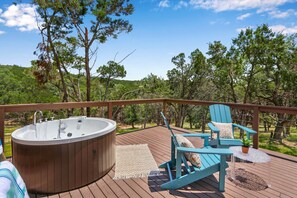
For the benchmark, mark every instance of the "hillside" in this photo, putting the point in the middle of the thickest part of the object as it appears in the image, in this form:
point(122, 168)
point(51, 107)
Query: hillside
point(18, 86)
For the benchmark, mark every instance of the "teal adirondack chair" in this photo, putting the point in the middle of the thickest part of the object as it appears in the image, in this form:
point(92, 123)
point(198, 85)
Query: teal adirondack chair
point(212, 161)
point(222, 114)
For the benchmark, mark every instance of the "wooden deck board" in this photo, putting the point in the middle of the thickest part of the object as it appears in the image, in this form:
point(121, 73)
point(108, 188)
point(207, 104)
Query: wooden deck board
point(282, 175)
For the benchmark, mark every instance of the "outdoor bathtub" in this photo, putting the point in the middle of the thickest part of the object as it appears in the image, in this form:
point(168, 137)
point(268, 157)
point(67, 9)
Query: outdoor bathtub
point(50, 162)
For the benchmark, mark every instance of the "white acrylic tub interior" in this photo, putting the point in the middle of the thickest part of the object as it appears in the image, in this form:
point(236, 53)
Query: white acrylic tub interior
point(77, 129)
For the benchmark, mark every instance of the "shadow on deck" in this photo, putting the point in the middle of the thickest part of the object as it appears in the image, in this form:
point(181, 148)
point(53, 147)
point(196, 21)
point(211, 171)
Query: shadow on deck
point(282, 175)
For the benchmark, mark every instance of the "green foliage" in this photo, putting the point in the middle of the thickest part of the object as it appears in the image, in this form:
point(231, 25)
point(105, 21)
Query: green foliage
point(246, 142)
point(265, 143)
point(17, 85)
point(109, 72)
point(154, 87)
point(189, 80)
point(131, 115)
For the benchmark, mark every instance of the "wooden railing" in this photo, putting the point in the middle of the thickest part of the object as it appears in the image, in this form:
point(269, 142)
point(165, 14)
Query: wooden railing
point(257, 109)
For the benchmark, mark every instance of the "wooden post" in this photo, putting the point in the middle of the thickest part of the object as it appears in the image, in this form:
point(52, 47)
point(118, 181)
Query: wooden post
point(2, 118)
point(256, 127)
point(109, 110)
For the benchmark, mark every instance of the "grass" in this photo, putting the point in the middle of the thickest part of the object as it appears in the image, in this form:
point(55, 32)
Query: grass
point(287, 146)
point(7, 139)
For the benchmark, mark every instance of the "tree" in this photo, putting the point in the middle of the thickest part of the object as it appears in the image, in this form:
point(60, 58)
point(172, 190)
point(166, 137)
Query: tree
point(54, 29)
point(277, 85)
point(187, 81)
point(225, 72)
point(131, 115)
point(105, 19)
point(259, 67)
point(88, 21)
point(109, 72)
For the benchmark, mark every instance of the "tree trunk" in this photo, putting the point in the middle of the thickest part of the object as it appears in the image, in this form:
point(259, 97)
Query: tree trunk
point(178, 116)
point(58, 64)
point(277, 135)
point(265, 126)
point(87, 69)
point(191, 123)
point(287, 130)
point(106, 89)
point(132, 125)
point(203, 124)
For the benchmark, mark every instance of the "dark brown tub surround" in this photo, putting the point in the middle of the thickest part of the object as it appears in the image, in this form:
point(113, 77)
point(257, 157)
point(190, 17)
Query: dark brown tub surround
point(61, 164)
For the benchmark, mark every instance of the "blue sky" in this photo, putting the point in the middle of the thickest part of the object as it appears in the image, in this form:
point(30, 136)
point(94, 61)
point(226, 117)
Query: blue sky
point(161, 29)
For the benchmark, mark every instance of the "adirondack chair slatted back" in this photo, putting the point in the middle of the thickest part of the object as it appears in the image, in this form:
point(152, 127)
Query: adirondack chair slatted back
point(169, 128)
point(220, 113)
point(167, 124)
point(176, 144)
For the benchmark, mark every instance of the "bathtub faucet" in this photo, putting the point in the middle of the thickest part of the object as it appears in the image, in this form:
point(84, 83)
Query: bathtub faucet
point(62, 127)
point(35, 120)
point(35, 117)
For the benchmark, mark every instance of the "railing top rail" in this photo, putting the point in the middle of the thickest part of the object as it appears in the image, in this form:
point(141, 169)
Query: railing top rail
point(267, 108)
point(64, 105)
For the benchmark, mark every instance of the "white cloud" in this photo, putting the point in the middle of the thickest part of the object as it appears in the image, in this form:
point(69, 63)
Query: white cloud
point(243, 29)
point(241, 17)
point(22, 16)
point(181, 4)
point(164, 4)
point(2, 32)
point(275, 28)
point(220, 22)
point(283, 29)
point(224, 5)
point(279, 14)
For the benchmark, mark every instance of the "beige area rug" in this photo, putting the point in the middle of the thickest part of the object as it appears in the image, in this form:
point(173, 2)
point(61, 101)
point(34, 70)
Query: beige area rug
point(134, 161)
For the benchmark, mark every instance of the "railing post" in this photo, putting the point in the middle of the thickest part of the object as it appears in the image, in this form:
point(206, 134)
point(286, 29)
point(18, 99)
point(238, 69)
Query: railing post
point(256, 127)
point(109, 110)
point(2, 118)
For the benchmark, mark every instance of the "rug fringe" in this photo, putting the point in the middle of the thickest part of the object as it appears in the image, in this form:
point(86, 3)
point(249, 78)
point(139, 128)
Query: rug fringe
point(153, 173)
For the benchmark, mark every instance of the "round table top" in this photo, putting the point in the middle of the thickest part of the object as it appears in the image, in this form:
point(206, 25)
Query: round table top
point(254, 155)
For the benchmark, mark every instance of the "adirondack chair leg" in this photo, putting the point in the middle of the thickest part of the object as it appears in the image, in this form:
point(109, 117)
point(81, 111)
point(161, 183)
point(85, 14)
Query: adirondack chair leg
point(173, 160)
point(179, 164)
point(222, 173)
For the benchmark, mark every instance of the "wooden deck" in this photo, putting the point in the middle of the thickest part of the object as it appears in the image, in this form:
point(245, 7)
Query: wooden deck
point(283, 175)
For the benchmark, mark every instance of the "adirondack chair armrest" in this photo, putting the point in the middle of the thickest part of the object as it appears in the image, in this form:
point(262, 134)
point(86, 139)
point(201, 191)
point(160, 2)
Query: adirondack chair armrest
point(213, 128)
point(206, 150)
point(248, 130)
point(203, 136)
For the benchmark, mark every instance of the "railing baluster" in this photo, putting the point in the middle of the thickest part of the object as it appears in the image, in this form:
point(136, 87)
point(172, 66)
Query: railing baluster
point(109, 110)
point(164, 107)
